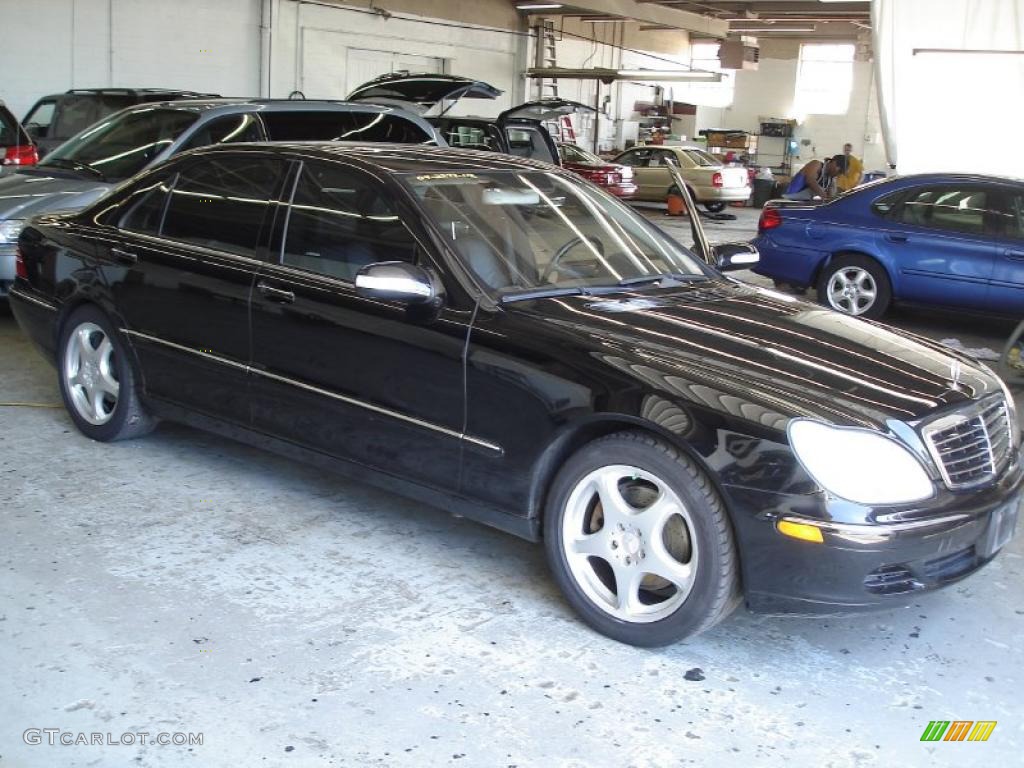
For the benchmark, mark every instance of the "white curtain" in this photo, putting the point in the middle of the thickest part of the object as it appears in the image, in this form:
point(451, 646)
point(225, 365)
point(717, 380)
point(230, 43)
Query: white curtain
point(951, 84)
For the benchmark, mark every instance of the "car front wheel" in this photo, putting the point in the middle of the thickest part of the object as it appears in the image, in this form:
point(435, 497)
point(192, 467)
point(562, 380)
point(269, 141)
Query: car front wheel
point(715, 207)
point(639, 542)
point(97, 382)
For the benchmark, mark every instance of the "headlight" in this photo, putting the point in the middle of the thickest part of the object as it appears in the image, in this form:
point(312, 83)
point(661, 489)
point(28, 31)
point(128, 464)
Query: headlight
point(858, 465)
point(10, 229)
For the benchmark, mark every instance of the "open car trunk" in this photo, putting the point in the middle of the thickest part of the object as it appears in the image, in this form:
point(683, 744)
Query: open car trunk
point(426, 93)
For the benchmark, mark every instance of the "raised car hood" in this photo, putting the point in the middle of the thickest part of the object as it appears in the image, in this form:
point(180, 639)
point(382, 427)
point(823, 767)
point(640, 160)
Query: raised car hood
point(769, 355)
point(25, 194)
point(422, 92)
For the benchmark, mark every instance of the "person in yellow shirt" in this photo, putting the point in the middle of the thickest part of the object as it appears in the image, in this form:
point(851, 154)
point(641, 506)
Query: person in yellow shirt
point(854, 171)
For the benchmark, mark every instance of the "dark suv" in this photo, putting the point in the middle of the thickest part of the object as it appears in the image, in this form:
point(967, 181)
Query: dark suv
point(59, 116)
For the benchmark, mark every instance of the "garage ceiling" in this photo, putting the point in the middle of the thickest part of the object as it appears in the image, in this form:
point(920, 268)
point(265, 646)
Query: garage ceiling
point(718, 18)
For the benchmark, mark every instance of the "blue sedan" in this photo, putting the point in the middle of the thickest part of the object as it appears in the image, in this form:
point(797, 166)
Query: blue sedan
point(939, 239)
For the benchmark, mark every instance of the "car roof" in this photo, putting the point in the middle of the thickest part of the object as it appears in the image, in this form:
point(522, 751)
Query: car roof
point(394, 158)
point(946, 178)
point(226, 104)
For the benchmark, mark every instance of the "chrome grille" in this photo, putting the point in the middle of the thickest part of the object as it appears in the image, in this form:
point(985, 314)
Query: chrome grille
point(970, 446)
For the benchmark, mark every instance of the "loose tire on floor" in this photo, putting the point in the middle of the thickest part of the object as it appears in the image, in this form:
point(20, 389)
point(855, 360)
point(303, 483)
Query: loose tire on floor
point(97, 382)
point(639, 542)
point(855, 285)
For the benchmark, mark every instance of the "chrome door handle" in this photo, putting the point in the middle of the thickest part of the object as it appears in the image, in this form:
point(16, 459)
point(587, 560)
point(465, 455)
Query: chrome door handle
point(277, 295)
point(896, 238)
point(123, 256)
point(1014, 254)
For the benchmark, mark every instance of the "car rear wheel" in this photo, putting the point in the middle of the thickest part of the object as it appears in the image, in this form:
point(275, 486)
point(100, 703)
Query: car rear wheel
point(97, 382)
point(639, 542)
point(855, 285)
point(717, 207)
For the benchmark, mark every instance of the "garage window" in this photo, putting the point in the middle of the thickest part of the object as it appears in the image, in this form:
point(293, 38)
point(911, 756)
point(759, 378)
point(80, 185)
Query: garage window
point(824, 79)
point(343, 126)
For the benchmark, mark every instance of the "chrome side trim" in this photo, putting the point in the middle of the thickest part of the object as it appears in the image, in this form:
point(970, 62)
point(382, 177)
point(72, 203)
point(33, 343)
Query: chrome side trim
point(479, 442)
point(181, 348)
point(32, 299)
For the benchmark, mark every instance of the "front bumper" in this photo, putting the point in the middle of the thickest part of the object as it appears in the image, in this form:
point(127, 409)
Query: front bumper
point(873, 565)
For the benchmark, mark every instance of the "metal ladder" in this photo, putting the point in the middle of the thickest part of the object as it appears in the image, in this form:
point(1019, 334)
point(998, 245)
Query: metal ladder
point(547, 88)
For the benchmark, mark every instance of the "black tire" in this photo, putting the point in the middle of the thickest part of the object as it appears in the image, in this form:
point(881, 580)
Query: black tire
point(127, 417)
point(716, 207)
point(715, 590)
point(852, 263)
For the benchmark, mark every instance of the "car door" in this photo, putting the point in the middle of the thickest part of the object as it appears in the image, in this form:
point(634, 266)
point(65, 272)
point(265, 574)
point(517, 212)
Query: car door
point(189, 250)
point(939, 237)
point(370, 381)
point(1006, 291)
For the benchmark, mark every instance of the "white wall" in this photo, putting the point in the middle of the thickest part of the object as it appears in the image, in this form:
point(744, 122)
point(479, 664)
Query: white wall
point(310, 46)
point(769, 91)
point(52, 45)
point(215, 45)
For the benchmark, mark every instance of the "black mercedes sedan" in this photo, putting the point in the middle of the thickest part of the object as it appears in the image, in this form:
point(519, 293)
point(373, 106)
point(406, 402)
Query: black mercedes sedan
point(501, 339)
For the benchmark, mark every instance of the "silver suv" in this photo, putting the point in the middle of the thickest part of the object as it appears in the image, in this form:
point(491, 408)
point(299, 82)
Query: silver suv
point(86, 166)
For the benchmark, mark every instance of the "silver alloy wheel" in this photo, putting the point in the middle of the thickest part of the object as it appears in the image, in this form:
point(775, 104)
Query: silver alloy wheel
point(852, 290)
point(629, 544)
point(89, 373)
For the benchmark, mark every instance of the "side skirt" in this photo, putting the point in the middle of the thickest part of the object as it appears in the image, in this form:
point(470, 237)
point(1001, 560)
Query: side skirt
point(523, 527)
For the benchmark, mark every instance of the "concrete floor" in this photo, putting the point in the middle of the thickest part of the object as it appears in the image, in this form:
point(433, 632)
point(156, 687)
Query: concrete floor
point(184, 583)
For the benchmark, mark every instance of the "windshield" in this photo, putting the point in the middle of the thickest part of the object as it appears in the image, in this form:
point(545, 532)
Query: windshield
point(701, 158)
point(122, 145)
point(573, 154)
point(537, 231)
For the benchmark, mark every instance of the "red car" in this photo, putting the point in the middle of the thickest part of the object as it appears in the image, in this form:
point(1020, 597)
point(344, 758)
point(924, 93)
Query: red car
point(617, 179)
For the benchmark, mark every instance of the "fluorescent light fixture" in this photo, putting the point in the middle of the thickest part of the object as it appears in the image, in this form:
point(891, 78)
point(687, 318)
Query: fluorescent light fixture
point(772, 28)
point(538, 6)
point(586, 20)
point(654, 74)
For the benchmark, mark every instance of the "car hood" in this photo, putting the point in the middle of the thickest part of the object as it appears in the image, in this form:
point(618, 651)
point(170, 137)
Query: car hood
point(25, 194)
point(764, 356)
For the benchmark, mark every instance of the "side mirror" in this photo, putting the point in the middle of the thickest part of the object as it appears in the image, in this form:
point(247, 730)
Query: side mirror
point(35, 131)
point(398, 281)
point(1011, 364)
point(735, 256)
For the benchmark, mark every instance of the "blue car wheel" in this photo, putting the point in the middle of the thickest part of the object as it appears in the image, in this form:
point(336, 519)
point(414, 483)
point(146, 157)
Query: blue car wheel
point(855, 285)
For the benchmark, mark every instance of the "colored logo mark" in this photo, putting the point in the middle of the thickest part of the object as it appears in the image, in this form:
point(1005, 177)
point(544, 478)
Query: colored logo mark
point(958, 730)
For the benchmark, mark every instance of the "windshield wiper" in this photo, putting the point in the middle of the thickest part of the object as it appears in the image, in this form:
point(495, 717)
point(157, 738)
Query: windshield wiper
point(542, 293)
point(75, 165)
point(674, 277)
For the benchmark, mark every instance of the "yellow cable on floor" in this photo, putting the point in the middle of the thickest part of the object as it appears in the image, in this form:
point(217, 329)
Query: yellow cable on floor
point(31, 405)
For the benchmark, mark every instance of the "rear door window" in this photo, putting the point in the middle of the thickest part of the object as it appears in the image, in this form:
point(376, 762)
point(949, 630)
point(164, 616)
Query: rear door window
point(221, 202)
point(949, 208)
point(342, 126)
